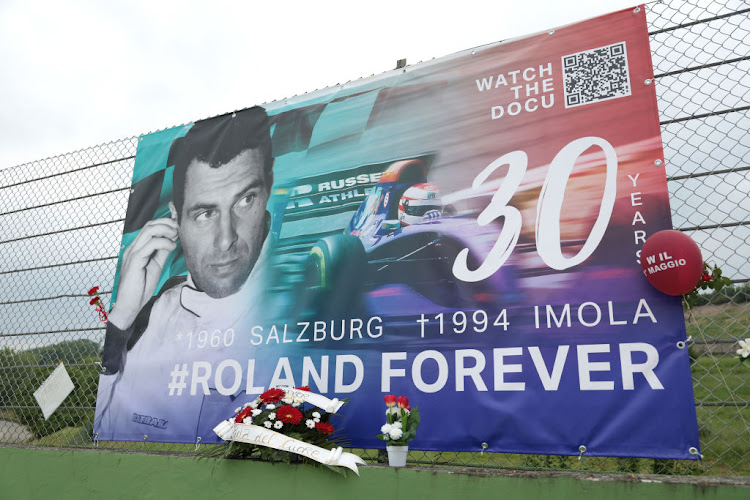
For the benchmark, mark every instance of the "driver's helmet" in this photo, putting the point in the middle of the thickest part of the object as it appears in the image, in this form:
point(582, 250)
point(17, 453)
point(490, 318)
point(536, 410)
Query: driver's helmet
point(418, 203)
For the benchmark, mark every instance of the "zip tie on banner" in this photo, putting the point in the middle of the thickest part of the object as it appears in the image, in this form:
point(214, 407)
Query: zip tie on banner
point(197, 443)
point(96, 440)
point(484, 447)
point(681, 344)
point(582, 449)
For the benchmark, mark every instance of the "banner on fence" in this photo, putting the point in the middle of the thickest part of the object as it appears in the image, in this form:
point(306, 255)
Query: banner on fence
point(465, 232)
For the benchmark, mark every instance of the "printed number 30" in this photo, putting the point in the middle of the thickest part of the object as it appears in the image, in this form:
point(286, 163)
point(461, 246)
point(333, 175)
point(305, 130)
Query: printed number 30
point(548, 210)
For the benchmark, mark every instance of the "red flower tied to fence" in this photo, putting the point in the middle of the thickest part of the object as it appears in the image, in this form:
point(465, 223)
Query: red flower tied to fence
point(96, 300)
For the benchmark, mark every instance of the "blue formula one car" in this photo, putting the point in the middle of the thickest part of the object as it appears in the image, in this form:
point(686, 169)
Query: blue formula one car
point(396, 255)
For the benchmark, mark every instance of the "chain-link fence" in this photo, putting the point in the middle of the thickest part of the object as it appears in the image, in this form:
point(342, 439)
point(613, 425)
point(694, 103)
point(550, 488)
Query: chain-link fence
point(61, 221)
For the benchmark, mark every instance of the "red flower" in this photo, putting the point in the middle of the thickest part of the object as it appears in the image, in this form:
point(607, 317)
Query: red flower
point(94, 290)
point(390, 400)
point(247, 412)
point(303, 388)
point(324, 427)
point(706, 277)
point(403, 402)
point(272, 395)
point(93, 301)
point(289, 414)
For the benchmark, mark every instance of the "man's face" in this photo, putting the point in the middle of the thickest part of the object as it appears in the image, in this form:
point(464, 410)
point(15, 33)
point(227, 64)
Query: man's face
point(222, 224)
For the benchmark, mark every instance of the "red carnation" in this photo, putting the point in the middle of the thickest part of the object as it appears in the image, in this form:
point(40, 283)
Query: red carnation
point(247, 412)
point(272, 395)
point(94, 290)
point(303, 388)
point(324, 427)
point(93, 301)
point(403, 402)
point(706, 277)
point(390, 400)
point(289, 414)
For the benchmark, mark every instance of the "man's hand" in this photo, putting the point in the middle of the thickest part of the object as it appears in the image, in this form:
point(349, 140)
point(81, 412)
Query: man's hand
point(142, 263)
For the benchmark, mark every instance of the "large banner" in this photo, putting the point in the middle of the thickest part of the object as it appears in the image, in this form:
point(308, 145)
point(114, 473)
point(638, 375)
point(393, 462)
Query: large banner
point(465, 232)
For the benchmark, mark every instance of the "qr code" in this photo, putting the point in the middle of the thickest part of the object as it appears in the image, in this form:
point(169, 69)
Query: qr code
point(596, 75)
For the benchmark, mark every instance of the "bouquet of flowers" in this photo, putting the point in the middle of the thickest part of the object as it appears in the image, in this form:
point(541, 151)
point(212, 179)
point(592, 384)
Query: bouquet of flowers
point(288, 415)
point(284, 425)
point(401, 423)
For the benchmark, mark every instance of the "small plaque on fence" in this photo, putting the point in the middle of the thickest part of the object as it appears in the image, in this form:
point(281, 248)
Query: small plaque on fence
point(54, 390)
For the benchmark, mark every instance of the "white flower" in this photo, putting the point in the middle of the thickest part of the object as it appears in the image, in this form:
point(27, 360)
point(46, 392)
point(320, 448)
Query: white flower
point(268, 424)
point(238, 409)
point(386, 428)
point(247, 404)
point(256, 412)
point(315, 414)
point(255, 403)
point(396, 433)
point(392, 411)
point(744, 350)
point(278, 425)
point(287, 399)
point(247, 420)
point(296, 404)
point(271, 416)
point(310, 423)
point(398, 425)
point(270, 406)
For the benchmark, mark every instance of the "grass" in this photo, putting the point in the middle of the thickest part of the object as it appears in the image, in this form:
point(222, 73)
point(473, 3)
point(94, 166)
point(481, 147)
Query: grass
point(725, 322)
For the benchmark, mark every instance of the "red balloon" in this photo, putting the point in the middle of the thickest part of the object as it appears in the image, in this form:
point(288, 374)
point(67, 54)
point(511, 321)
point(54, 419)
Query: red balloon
point(672, 262)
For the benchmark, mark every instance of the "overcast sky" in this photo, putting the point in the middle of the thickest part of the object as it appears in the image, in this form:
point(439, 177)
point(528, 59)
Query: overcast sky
point(78, 73)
